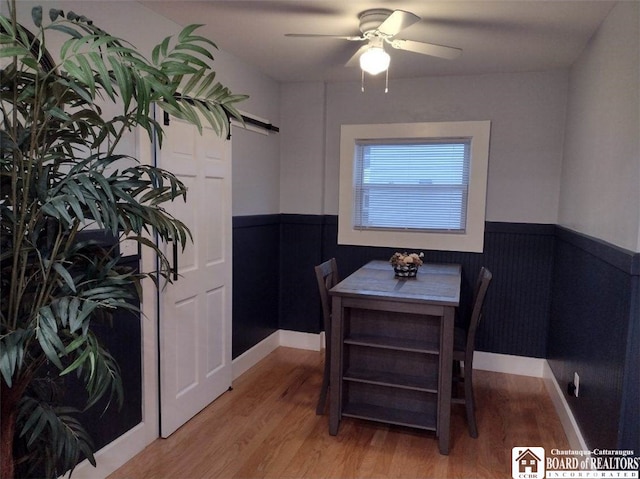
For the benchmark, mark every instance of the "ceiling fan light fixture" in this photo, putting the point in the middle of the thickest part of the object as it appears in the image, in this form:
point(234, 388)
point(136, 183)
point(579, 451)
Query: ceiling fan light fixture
point(374, 60)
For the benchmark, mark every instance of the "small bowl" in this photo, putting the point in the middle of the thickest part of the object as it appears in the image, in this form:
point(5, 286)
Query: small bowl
point(406, 271)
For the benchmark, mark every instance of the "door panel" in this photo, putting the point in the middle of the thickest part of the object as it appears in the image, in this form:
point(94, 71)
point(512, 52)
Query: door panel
point(195, 316)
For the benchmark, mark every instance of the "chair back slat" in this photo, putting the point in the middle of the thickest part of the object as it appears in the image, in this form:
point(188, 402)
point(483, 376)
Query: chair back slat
point(479, 293)
point(327, 278)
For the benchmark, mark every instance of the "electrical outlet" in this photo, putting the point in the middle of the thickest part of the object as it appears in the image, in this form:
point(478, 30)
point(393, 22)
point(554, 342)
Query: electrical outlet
point(576, 383)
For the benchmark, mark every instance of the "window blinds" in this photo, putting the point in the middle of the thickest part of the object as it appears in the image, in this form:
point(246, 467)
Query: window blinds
point(415, 184)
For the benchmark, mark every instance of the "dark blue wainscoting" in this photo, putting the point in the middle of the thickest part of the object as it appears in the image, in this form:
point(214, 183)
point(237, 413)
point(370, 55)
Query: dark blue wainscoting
point(300, 251)
point(594, 332)
point(629, 430)
point(122, 337)
point(555, 294)
point(520, 257)
point(256, 269)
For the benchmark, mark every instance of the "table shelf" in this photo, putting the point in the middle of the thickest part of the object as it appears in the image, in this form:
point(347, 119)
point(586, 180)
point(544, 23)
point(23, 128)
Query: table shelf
point(400, 344)
point(427, 384)
point(391, 385)
point(391, 416)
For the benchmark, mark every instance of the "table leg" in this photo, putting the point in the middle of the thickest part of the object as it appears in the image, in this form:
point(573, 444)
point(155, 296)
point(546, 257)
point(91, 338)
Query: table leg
point(335, 377)
point(446, 356)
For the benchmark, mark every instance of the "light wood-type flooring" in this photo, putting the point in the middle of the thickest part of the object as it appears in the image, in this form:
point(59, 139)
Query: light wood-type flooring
point(266, 427)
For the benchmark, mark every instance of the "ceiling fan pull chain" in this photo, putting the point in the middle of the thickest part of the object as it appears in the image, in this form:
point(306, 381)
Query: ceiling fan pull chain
point(362, 82)
point(386, 82)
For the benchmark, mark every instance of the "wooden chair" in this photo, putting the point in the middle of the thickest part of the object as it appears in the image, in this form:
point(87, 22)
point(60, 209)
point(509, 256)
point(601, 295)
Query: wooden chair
point(327, 276)
point(464, 344)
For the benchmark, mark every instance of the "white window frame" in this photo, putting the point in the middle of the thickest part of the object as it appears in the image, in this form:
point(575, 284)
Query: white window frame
point(471, 240)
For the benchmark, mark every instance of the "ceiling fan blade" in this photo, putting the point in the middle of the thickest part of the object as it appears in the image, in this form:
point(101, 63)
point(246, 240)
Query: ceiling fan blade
point(397, 21)
point(355, 59)
point(319, 35)
point(431, 49)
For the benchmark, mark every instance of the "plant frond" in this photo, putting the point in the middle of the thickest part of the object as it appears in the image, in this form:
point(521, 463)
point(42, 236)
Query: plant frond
point(52, 431)
point(13, 346)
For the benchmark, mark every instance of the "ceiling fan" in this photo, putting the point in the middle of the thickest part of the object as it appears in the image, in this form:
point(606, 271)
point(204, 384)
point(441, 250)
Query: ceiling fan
point(379, 27)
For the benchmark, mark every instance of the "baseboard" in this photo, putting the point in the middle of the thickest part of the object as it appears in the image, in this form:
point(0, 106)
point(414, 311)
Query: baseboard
point(114, 455)
point(538, 368)
point(282, 337)
point(568, 421)
point(253, 356)
point(296, 339)
point(509, 364)
point(501, 363)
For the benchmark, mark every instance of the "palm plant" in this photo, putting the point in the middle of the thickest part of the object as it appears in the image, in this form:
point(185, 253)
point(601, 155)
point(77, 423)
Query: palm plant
point(60, 172)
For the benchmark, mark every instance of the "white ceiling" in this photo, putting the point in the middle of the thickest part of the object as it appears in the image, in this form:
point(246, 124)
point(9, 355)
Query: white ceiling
point(495, 36)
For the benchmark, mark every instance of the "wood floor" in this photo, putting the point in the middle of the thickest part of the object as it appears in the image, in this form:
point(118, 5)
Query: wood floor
point(266, 427)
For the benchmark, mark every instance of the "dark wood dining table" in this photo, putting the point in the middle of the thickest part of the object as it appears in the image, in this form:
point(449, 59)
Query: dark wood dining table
point(392, 347)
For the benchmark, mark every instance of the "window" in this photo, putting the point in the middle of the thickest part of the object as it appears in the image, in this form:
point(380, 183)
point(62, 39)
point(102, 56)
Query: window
point(429, 178)
point(414, 185)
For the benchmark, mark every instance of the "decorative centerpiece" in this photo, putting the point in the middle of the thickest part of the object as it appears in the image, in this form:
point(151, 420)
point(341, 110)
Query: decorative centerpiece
point(406, 264)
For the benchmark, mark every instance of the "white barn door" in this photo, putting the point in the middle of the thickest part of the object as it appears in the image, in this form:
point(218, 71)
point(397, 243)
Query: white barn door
point(195, 311)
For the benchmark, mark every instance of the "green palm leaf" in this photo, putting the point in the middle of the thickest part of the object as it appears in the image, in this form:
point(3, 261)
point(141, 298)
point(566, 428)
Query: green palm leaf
point(59, 172)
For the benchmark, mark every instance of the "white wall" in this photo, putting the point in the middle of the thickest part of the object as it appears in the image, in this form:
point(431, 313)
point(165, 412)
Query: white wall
point(600, 189)
point(256, 157)
point(256, 172)
point(302, 148)
point(526, 110)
